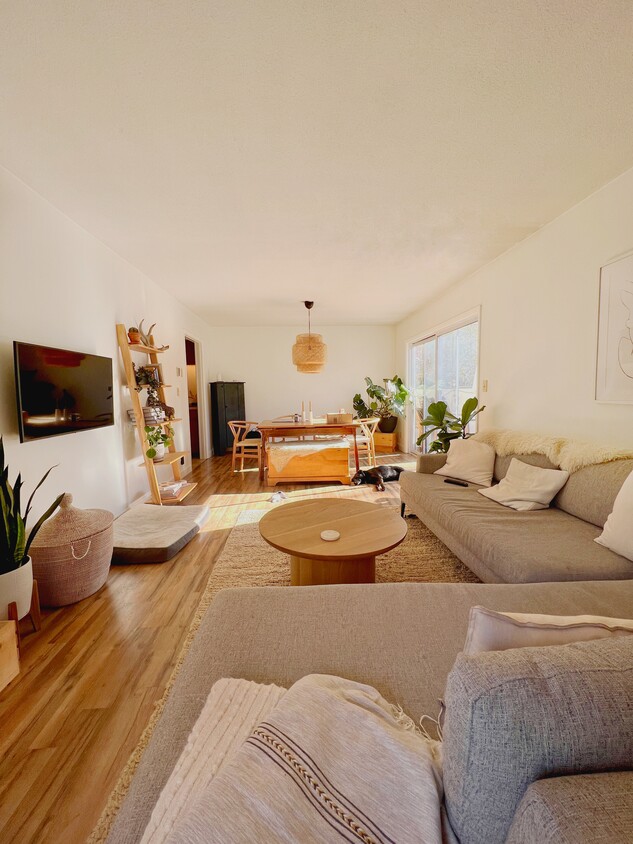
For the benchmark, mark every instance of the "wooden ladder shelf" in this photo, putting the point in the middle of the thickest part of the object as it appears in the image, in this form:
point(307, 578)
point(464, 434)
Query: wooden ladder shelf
point(172, 458)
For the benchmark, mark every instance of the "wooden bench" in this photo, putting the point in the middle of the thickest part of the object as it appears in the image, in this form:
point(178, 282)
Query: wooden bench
point(311, 461)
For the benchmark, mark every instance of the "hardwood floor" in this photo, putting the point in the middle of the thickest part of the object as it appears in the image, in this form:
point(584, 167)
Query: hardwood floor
point(91, 676)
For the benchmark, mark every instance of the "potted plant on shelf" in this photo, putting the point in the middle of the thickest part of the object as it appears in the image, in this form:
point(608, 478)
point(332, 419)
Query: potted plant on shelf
point(134, 335)
point(16, 570)
point(448, 427)
point(147, 378)
point(158, 438)
point(387, 402)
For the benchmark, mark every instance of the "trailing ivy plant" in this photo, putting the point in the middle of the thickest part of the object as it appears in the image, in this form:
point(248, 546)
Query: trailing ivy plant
point(14, 542)
point(390, 400)
point(439, 420)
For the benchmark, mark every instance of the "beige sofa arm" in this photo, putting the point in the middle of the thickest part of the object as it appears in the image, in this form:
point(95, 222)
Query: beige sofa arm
point(429, 463)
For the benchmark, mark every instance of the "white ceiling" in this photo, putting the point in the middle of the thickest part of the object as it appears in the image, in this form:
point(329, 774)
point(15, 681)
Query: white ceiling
point(249, 154)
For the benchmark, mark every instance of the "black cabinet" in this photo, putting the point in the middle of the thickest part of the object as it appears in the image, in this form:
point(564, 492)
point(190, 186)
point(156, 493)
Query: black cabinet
point(227, 405)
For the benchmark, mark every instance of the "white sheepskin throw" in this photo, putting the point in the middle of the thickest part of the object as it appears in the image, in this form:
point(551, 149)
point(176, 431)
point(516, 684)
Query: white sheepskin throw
point(570, 455)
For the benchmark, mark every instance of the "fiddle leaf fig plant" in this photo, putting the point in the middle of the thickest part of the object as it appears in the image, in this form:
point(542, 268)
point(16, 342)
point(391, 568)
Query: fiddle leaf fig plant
point(390, 400)
point(440, 421)
point(14, 541)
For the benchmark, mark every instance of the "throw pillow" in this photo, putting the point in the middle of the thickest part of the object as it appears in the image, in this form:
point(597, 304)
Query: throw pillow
point(516, 716)
point(489, 630)
point(618, 530)
point(527, 487)
point(469, 460)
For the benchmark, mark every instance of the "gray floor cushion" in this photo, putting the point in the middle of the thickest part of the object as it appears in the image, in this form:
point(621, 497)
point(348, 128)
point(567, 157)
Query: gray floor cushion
point(151, 534)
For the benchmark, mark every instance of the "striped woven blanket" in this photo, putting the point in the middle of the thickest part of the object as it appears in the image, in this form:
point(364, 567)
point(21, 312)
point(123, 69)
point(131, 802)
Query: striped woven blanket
point(332, 761)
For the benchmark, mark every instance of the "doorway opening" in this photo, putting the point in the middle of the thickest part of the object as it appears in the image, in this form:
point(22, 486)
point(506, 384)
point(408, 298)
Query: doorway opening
point(192, 397)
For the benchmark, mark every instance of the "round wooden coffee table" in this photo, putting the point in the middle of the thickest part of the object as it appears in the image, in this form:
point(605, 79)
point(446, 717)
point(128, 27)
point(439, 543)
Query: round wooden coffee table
point(366, 530)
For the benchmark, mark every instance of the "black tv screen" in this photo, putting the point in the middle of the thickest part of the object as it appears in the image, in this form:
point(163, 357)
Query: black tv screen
point(60, 391)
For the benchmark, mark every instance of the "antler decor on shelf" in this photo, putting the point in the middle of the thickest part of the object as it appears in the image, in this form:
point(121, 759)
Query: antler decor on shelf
point(146, 337)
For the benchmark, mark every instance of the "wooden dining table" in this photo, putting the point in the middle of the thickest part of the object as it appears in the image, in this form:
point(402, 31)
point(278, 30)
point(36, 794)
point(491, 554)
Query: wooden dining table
point(270, 428)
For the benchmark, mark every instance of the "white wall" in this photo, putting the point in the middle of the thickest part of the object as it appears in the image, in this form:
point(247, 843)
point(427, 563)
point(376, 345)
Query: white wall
point(539, 322)
point(61, 287)
point(262, 357)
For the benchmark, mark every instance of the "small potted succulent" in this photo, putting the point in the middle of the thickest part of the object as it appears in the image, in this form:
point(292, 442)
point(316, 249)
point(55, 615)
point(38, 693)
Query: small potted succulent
point(158, 438)
point(16, 570)
point(134, 335)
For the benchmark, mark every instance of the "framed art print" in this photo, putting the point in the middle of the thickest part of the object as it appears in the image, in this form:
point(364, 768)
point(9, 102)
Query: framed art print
point(614, 371)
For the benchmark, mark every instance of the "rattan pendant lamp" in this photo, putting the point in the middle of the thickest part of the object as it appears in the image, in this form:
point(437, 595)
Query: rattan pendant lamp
point(309, 352)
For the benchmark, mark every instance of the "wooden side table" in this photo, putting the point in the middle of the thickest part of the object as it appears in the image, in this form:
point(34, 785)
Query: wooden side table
point(366, 530)
point(34, 614)
point(9, 653)
point(386, 443)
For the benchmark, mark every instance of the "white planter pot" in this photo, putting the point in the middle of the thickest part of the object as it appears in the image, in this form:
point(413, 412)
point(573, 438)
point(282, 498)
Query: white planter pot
point(160, 452)
point(16, 585)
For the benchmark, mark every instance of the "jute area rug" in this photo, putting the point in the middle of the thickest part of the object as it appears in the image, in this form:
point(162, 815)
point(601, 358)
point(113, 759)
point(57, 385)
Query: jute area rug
point(246, 560)
point(249, 561)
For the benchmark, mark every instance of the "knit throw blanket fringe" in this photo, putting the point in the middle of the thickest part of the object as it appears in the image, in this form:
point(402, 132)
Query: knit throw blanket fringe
point(570, 455)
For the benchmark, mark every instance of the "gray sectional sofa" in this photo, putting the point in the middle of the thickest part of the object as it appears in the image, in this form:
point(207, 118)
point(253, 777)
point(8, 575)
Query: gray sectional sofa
point(512, 774)
point(402, 638)
point(501, 545)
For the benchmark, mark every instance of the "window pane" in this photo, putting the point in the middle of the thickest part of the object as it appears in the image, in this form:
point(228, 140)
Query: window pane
point(467, 364)
point(447, 361)
point(453, 357)
point(424, 380)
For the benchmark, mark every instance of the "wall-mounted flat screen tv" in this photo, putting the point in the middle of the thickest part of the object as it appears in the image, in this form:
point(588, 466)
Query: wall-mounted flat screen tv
point(60, 392)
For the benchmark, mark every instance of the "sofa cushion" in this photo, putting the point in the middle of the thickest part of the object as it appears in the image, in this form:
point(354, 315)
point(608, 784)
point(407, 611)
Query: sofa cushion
point(502, 464)
point(469, 461)
point(526, 487)
point(514, 547)
point(590, 492)
point(582, 809)
point(516, 716)
point(429, 463)
point(618, 530)
point(490, 630)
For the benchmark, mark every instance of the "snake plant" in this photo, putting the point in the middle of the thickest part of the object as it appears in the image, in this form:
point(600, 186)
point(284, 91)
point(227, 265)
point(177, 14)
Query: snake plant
point(14, 542)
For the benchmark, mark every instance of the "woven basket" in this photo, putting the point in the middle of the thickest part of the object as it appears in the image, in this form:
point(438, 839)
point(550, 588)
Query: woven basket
point(72, 553)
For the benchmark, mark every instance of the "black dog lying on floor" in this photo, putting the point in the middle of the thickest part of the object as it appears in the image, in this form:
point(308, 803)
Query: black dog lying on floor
point(378, 475)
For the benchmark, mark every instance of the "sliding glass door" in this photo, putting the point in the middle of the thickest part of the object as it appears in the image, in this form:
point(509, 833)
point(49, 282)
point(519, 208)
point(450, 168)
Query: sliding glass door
point(444, 367)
